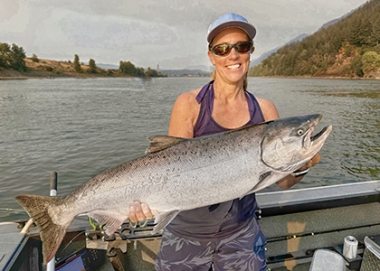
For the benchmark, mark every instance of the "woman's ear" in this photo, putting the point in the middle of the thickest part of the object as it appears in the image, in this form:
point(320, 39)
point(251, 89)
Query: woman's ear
point(253, 49)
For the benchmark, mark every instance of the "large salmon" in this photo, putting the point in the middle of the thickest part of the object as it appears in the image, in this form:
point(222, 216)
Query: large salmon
point(179, 174)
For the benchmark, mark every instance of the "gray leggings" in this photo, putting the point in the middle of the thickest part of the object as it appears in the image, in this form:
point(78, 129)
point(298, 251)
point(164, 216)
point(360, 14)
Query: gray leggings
point(242, 251)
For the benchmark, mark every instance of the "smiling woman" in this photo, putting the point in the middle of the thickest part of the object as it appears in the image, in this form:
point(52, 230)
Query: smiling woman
point(224, 235)
point(231, 55)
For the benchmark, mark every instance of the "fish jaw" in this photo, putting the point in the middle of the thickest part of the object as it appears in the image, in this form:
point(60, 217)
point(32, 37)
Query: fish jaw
point(289, 143)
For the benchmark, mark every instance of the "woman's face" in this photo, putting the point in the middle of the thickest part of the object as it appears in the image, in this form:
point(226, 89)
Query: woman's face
point(233, 67)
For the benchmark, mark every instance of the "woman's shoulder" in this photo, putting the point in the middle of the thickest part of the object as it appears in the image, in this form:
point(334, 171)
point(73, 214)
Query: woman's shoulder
point(188, 98)
point(268, 108)
point(264, 102)
point(184, 115)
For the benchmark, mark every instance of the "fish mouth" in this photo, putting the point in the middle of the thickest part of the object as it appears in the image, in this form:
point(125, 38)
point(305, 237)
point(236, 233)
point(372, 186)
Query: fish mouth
point(315, 137)
point(318, 138)
point(313, 140)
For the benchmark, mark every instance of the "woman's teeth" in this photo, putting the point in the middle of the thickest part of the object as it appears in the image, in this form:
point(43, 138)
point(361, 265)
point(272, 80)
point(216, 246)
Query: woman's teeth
point(233, 66)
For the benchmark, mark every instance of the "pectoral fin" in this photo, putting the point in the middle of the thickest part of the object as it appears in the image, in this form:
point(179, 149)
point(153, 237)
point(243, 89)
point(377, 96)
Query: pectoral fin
point(262, 178)
point(111, 221)
point(163, 219)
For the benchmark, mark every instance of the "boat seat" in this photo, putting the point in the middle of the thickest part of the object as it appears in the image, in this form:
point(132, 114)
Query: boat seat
point(371, 256)
point(327, 260)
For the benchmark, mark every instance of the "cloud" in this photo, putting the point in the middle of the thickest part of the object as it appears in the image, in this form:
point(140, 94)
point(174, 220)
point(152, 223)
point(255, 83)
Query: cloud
point(112, 32)
point(14, 16)
point(149, 32)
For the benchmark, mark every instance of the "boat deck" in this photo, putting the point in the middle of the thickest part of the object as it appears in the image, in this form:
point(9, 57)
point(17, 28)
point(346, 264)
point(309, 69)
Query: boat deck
point(12, 245)
point(296, 223)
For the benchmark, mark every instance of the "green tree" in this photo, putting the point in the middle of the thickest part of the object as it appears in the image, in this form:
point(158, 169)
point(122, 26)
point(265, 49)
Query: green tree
point(371, 62)
point(129, 68)
point(77, 66)
point(376, 30)
point(17, 61)
point(92, 66)
point(5, 55)
point(151, 73)
point(35, 58)
point(357, 65)
point(140, 72)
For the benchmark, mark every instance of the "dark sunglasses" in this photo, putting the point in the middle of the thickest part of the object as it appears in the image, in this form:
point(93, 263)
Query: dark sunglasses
point(224, 49)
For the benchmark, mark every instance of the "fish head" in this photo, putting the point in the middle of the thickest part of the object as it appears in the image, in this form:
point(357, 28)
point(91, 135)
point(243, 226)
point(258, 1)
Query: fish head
point(290, 143)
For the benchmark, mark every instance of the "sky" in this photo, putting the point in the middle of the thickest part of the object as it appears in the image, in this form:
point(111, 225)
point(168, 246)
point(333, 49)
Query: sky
point(168, 33)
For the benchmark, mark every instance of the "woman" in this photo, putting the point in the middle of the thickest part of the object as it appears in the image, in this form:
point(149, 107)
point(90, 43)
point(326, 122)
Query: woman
point(223, 236)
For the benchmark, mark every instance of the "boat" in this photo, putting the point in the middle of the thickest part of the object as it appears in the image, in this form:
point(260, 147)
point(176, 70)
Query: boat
point(306, 229)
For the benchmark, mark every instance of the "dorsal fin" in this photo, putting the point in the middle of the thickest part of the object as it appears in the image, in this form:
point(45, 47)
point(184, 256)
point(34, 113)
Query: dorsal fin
point(159, 143)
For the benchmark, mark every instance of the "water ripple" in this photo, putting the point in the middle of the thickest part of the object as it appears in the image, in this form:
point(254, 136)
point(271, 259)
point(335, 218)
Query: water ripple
point(82, 127)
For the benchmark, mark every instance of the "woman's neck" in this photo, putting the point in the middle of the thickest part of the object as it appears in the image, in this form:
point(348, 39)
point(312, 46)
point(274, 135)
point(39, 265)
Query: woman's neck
point(228, 91)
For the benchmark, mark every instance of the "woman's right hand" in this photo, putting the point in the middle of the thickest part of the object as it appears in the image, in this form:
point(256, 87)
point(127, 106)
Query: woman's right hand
point(139, 212)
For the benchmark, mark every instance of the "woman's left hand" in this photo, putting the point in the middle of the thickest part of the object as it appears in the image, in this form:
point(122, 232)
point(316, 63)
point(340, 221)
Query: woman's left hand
point(313, 161)
point(290, 180)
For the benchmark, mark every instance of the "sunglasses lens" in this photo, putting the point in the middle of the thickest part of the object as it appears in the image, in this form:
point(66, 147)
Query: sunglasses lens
point(225, 49)
point(221, 50)
point(243, 47)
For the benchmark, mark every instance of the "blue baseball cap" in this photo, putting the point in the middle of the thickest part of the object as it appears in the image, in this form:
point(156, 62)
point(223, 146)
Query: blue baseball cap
point(230, 20)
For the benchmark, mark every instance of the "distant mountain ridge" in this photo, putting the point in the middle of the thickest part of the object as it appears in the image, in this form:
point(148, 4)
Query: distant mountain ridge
point(169, 72)
point(334, 21)
point(107, 66)
point(257, 61)
point(185, 72)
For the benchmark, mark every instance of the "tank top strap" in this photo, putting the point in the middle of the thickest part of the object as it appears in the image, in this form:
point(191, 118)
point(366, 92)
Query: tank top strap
point(254, 109)
point(250, 99)
point(203, 91)
point(204, 122)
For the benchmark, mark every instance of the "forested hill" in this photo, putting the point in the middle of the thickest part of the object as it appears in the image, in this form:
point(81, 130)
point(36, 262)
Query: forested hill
point(348, 48)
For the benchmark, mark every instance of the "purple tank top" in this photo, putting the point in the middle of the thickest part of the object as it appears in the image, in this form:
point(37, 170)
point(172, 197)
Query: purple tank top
point(206, 125)
point(223, 219)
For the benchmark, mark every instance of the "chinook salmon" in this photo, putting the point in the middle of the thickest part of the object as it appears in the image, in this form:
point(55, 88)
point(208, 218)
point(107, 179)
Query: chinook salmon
point(179, 174)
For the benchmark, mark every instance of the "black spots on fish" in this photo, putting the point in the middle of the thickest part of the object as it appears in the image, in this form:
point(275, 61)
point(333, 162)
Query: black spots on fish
point(264, 176)
point(165, 180)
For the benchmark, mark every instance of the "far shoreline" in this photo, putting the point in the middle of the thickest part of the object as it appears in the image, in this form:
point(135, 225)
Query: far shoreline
point(5, 78)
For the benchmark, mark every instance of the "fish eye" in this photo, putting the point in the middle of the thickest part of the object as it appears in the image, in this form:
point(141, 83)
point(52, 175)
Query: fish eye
point(300, 132)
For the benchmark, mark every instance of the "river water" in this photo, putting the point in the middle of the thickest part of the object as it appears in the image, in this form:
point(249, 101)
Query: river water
point(80, 127)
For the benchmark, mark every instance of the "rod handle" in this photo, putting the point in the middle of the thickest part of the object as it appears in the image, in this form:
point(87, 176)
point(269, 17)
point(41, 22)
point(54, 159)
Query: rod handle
point(53, 183)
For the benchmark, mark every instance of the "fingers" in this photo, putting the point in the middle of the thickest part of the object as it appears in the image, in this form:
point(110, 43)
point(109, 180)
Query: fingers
point(139, 212)
point(315, 160)
point(132, 214)
point(146, 210)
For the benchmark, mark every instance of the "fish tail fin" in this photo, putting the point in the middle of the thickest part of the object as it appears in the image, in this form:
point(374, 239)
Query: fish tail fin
point(51, 233)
